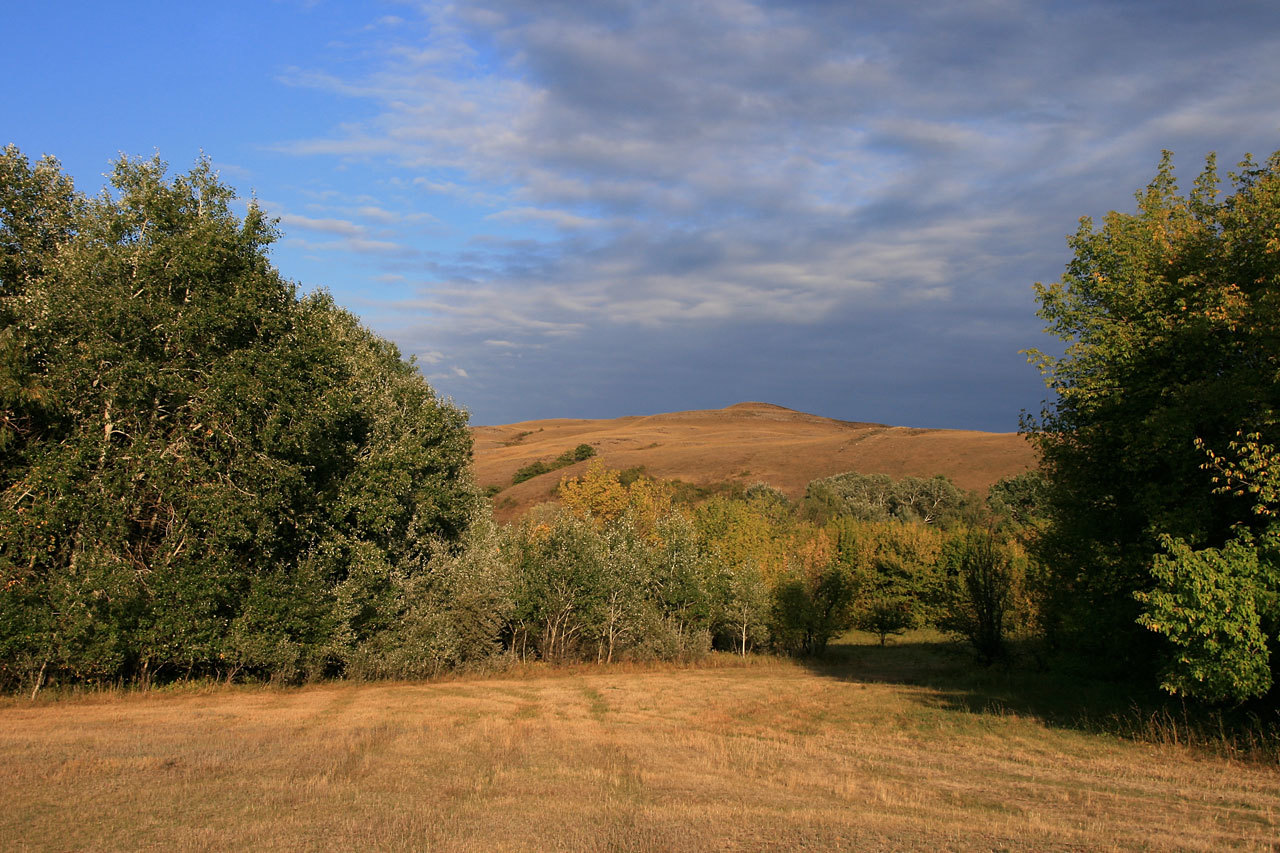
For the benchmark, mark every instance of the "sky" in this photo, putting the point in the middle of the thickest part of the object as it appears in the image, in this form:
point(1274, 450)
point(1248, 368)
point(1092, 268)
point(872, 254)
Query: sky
point(585, 209)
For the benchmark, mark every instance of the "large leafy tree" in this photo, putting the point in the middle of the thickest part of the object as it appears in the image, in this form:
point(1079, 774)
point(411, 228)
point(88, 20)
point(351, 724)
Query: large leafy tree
point(1170, 321)
point(199, 471)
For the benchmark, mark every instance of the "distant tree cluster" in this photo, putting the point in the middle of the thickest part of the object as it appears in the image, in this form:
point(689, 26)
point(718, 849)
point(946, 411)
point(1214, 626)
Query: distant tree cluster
point(878, 497)
point(620, 569)
point(539, 467)
point(1159, 447)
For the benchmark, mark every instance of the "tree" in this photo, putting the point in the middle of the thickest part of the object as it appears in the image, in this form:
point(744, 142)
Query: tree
point(886, 616)
point(450, 616)
point(200, 472)
point(38, 209)
point(814, 602)
point(1170, 319)
point(747, 544)
point(1018, 499)
point(981, 595)
point(742, 599)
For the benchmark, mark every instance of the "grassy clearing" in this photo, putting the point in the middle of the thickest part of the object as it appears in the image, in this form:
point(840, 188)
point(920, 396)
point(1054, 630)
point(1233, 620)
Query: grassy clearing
point(885, 748)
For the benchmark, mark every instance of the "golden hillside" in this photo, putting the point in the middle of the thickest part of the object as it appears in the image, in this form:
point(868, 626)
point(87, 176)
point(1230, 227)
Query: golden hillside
point(747, 443)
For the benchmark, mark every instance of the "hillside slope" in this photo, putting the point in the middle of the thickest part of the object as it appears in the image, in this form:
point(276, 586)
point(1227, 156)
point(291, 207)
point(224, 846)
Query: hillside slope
point(746, 443)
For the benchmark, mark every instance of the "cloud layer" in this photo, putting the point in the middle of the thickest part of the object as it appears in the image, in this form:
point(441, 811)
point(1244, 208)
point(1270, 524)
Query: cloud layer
point(610, 207)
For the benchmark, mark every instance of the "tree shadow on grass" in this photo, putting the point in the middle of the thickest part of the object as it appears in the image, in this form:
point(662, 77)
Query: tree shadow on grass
point(1063, 696)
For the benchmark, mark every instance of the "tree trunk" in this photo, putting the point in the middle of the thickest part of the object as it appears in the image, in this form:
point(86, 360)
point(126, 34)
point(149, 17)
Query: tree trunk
point(39, 679)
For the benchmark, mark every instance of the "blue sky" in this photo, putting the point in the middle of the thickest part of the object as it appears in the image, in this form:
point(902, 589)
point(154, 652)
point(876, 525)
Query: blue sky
point(590, 209)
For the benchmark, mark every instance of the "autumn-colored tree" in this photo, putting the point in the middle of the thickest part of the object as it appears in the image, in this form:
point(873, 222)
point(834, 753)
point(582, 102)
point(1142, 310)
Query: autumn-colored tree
point(598, 495)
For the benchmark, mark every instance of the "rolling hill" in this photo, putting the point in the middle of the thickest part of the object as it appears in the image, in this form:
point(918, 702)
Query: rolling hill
point(745, 443)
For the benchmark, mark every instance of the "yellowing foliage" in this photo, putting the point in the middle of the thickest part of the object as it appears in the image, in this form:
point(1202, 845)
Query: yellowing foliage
point(599, 496)
point(815, 555)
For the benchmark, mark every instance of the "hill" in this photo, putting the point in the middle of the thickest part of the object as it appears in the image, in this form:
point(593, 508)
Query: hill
point(745, 443)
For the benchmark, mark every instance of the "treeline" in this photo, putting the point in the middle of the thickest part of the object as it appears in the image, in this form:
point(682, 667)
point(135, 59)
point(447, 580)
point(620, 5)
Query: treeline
point(204, 473)
point(617, 570)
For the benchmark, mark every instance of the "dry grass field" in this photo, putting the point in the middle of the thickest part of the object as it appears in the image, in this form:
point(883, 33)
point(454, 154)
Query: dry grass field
point(870, 754)
point(746, 443)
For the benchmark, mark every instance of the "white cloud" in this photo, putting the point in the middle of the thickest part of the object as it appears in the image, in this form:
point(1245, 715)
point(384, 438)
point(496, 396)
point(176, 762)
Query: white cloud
point(354, 245)
point(558, 218)
point(327, 226)
point(386, 22)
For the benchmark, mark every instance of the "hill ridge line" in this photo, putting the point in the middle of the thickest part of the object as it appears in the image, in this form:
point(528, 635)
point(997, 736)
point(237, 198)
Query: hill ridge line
point(744, 443)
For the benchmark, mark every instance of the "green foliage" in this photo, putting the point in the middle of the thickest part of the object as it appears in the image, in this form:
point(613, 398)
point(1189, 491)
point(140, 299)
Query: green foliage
point(742, 606)
point(206, 475)
point(797, 585)
point(539, 467)
point(747, 549)
point(560, 566)
point(1212, 603)
point(197, 466)
point(887, 615)
point(1220, 607)
point(814, 600)
point(450, 616)
point(606, 589)
point(1019, 499)
point(984, 579)
point(581, 453)
point(1168, 315)
point(896, 561)
point(536, 468)
point(811, 609)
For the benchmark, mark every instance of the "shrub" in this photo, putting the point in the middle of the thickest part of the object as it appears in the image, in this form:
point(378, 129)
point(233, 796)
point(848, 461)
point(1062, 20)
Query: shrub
point(886, 616)
point(982, 584)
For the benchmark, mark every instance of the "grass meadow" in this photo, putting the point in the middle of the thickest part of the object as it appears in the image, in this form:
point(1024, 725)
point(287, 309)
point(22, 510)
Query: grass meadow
point(902, 748)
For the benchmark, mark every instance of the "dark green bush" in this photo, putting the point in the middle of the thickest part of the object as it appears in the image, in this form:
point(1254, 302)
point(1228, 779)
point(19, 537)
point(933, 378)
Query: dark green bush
point(983, 581)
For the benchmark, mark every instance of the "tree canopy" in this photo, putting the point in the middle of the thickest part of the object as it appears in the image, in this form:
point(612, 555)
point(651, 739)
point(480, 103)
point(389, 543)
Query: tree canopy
point(200, 471)
point(1172, 330)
